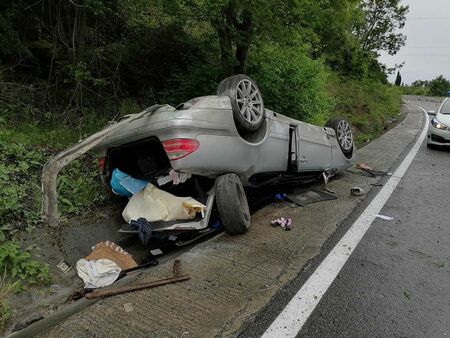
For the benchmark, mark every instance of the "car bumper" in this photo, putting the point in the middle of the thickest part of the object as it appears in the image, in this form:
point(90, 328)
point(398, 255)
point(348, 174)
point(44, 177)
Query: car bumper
point(438, 136)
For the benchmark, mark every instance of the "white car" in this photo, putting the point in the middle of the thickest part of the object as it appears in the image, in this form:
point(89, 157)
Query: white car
point(439, 128)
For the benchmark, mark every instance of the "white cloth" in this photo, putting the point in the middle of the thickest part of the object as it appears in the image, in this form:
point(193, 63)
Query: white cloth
point(154, 204)
point(97, 273)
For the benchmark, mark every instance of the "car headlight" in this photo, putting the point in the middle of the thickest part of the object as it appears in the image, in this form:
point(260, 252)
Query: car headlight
point(438, 124)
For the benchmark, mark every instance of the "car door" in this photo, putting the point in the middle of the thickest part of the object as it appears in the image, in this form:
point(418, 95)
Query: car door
point(314, 148)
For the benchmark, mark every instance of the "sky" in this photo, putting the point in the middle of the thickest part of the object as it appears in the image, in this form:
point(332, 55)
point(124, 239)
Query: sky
point(427, 50)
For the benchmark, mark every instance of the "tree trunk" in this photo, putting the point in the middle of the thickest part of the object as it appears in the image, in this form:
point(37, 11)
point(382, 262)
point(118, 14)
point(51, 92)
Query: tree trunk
point(226, 50)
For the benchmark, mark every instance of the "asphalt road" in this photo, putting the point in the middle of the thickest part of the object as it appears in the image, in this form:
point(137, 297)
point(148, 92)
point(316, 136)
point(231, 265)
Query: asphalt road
point(397, 281)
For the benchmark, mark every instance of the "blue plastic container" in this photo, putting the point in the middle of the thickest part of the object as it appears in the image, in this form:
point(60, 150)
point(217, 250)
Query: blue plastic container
point(123, 184)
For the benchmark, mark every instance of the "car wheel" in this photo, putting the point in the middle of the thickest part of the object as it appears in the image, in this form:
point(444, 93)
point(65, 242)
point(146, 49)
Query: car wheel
point(232, 204)
point(344, 135)
point(246, 101)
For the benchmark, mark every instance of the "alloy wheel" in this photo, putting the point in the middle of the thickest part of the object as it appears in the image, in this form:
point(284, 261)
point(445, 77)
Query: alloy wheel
point(249, 101)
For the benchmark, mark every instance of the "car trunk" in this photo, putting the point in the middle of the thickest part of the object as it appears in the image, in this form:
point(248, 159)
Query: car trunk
point(147, 160)
point(144, 159)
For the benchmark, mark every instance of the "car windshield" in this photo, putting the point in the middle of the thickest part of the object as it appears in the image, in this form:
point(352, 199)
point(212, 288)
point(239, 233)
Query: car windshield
point(446, 107)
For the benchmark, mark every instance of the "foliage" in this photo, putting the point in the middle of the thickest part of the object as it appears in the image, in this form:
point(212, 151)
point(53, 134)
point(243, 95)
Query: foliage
point(381, 25)
point(75, 62)
point(17, 192)
point(369, 108)
point(439, 86)
point(292, 83)
point(19, 264)
point(4, 314)
point(78, 186)
point(24, 150)
point(398, 79)
point(7, 287)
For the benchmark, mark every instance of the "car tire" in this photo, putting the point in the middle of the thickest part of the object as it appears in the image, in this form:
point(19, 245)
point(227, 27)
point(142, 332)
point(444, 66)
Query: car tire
point(246, 101)
point(232, 204)
point(344, 135)
point(432, 146)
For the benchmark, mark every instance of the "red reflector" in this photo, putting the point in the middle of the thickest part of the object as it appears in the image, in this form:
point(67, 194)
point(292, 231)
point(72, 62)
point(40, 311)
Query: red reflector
point(101, 164)
point(179, 147)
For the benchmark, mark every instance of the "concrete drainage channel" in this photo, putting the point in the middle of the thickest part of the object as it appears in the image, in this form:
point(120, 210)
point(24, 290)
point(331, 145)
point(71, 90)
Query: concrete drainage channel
point(232, 278)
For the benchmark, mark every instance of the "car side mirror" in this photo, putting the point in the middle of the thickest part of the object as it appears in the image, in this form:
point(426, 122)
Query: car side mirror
point(431, 112)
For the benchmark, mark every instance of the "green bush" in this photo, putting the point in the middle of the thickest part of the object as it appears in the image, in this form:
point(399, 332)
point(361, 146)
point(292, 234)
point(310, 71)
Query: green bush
point(291, 83)
point(368, 105)
point(79, 186)
point(24, 151)
point(19, 264)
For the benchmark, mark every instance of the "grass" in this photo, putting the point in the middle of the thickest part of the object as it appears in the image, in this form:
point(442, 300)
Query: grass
point(7, 287)
point(367, 105)
point(24, 148)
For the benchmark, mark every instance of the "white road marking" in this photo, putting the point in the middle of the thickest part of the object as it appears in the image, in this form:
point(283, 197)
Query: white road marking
point(290, 321)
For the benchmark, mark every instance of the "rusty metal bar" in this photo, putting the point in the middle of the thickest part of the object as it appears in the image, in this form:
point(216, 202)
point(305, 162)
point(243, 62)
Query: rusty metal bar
point(125, 289)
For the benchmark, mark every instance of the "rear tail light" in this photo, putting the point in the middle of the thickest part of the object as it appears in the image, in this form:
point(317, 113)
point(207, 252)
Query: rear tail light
point(179, 147)
point(101, 164)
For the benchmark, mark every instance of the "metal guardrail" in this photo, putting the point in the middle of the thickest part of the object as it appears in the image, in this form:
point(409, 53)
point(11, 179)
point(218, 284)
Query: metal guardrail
point(58, 161)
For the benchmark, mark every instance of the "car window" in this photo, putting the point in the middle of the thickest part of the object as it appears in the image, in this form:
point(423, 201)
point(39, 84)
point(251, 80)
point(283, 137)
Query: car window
point(446, 107)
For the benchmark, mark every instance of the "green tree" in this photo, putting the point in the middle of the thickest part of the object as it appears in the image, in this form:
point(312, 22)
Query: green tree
point(398, 79)
point(439, 86)
point(379, 30)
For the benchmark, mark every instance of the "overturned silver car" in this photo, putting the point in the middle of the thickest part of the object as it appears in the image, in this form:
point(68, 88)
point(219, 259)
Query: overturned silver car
point(223, 143)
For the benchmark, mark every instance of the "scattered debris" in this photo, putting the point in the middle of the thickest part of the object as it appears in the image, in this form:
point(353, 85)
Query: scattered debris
point(376, 184)
point(162, 180)
point(128, 307)
point(367, 171)
point(174, 177)
point(280, 197)
point(357, 191)
point(363, 166)
point(104, 264)
point(97, 273)
point(176, 278)
point(308, 197)
point(76, 295)
point(154, 204)
point(329, 190)
point(387, 218)
point(282, 222)
point(156, 252)
point(123, 184)
point(112, 251)
point(177, 177)
point(64, 266)
point(176, 269)
point(144, 229)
